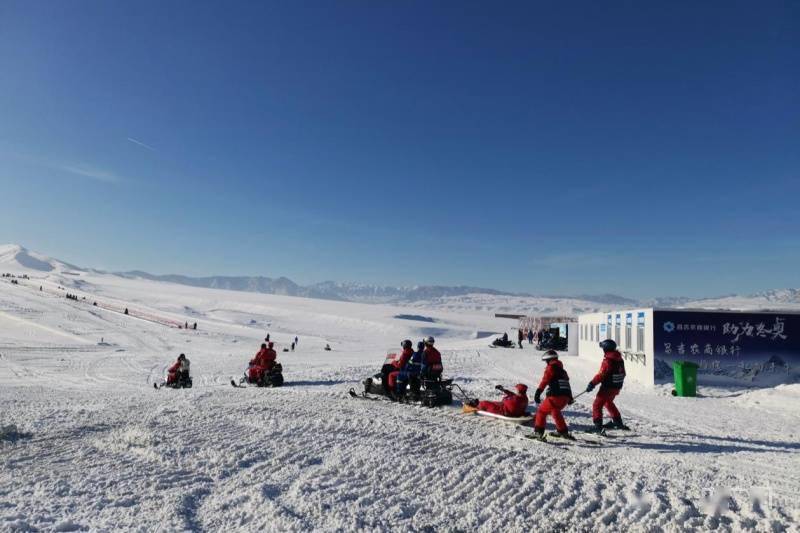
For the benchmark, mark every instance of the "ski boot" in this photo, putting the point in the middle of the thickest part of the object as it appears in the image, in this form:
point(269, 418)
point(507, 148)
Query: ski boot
point(616, 424)
point(538, 434)
point(566, 435)
point(598, 428)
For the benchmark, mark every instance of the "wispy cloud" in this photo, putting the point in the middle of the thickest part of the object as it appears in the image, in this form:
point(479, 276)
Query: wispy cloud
point(140, 143)
point(90, 172)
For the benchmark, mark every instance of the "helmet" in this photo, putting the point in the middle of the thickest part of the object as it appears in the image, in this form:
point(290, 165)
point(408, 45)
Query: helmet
point(420, 345)
point(263, 346)
point(429, 340)
point(270, 344)
point(521, 388)
point(406, 344)
point(181, 357)
point(549, 354)
point(608, 345)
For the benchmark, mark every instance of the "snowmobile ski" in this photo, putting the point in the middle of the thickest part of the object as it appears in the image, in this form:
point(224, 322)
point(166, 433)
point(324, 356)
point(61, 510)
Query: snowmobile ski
point(556, 439)
point(237, 385)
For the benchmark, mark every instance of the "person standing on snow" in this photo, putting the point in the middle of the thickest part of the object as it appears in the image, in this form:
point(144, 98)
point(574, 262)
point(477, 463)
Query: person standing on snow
point(513, 404)
point(610, 378)
point(559, 395)
point(530, 336)
point(296, 340)
point(520, 337)
point(180, 369)
point(431, 360)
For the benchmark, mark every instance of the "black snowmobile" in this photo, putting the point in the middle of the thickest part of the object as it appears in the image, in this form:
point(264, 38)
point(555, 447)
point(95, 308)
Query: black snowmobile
point(502, 342)
point(428, 390)
point(273, 378)
point(184, 381)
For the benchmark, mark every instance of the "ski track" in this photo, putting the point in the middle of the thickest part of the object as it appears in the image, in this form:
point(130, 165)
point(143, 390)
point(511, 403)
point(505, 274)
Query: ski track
point(103, 451)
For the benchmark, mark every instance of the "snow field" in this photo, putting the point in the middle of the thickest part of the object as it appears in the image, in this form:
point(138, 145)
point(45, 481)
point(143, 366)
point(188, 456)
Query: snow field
point(98, 449)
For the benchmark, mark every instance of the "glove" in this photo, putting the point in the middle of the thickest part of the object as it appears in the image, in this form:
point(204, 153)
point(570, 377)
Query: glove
point(589, 387)
point(538, 396)
point(498, 387)
point(571, 401)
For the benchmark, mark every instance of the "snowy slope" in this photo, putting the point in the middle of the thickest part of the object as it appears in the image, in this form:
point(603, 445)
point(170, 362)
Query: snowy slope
point(95, 447)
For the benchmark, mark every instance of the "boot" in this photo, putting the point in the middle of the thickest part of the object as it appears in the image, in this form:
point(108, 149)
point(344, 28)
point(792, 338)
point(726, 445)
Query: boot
point(563, 435)
point(617, 424)
point(538, 434)
point(598, 427)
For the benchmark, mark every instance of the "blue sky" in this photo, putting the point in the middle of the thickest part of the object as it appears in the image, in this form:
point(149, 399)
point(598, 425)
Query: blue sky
point(582, 148)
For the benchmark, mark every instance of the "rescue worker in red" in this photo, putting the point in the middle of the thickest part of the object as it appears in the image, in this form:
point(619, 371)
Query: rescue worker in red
point(431, 360)
point(610, 378)
point(263, 361)
point(397, 365)
point(179, 369)
point(513, 404)
point(559, 395)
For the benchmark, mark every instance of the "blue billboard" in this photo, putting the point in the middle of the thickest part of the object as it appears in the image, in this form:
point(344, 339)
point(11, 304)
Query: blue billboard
point(756, 349)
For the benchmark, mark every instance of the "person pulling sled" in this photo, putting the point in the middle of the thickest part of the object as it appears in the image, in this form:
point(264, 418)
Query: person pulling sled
point(557, 397)
point(178, 376)
point(610, 378)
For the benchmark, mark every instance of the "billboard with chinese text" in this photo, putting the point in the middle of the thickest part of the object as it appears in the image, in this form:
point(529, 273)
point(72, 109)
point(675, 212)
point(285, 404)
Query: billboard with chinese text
point(757, 349)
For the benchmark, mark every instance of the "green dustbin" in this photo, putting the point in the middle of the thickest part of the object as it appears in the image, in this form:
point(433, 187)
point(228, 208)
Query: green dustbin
point(685, 378)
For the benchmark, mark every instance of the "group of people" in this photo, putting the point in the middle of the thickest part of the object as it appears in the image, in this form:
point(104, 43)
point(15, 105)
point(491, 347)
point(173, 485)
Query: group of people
point(556, 388)
point(408, 367)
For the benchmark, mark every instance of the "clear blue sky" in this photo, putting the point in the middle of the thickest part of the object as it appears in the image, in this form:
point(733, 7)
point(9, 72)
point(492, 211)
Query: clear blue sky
point(595, 147)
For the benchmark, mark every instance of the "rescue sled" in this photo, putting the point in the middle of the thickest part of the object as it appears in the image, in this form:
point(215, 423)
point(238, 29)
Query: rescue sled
point(430, 390)
point(273, 378)
point(513, 420)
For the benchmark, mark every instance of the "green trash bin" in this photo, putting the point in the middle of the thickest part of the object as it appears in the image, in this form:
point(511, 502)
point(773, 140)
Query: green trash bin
point(685, 378)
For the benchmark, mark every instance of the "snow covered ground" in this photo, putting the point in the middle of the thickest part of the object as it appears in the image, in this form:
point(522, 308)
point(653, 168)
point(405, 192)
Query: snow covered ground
point(90, 445)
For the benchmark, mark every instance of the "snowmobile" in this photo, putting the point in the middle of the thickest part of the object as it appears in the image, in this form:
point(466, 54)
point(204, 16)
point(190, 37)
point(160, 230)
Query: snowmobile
point(183, 381)
point(428, 390)
point(272, 378)
point(502, 343)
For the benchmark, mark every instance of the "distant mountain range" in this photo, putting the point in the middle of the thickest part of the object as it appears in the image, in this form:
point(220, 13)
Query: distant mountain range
point(15, 258)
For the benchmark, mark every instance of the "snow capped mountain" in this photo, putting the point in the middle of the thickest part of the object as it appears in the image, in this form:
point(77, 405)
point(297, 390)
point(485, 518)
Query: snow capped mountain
point(17, 259)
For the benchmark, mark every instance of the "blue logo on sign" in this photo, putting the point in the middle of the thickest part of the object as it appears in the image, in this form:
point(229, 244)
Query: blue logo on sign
point(669, 327)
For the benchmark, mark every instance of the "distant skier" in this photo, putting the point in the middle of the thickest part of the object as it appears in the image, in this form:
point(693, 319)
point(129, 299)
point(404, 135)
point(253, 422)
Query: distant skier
point(292, 346)
point(610, 378)
point(296, 340)
point(178, 372)
point(513, 404)
point(559, 395)
point(520, 337)
point(530, 336)
point(126, 310)
point(327, 347)
point(431, 360)
point(266, 339)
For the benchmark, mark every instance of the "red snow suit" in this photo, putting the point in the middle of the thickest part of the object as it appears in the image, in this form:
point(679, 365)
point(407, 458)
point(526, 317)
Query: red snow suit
point(432, 361)
point(610, 377)
point(558, 397)
point(263, 361)
point(513, 405)
point(399, 364)
point(172, 372)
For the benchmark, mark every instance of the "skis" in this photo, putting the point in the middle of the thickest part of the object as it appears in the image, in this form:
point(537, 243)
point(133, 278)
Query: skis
point(363, 396)
point(558, 439)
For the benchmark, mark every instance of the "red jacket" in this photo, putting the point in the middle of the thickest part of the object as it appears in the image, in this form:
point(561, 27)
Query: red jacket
point(400, 361)
point(554, 376)
point(174, 368)
point(265, 357)
point(610, 365)
point(515, 404)
point(431, 356)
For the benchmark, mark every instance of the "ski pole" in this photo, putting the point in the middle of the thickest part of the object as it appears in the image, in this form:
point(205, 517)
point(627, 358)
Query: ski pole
point(578, 396)
point(463, 394)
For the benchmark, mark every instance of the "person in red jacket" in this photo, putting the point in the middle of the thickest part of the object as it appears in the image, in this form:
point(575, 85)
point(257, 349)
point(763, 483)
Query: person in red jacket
point(610, 378)
point(399, 363)
point(262, 362)
point(559, 395)
point(513, 404)
point(180, 367)
point(431, 360)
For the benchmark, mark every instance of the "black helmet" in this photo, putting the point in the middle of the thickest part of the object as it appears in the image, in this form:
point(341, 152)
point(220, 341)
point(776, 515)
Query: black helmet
point(406, 344)
point(608, 345)
point(421, 345)
point(181, 357)
point(263, 346)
